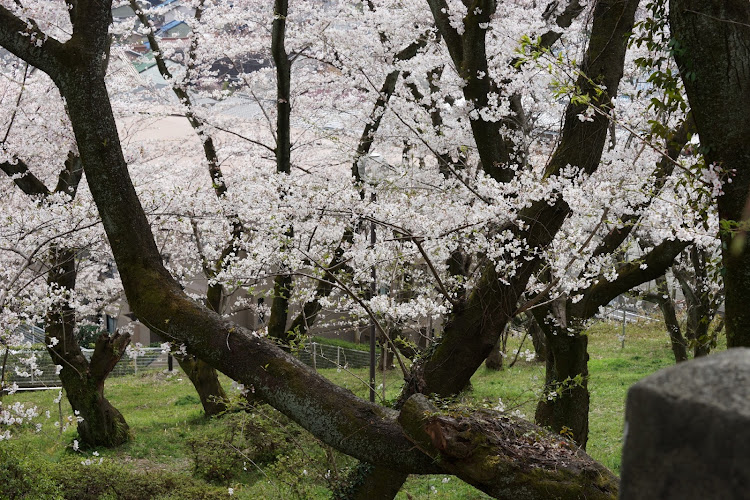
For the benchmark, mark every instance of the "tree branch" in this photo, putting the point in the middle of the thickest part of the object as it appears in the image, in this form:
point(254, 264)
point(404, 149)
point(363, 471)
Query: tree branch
point(25, 40)
point(24, 179)
point(629, 275)
point(503, 457)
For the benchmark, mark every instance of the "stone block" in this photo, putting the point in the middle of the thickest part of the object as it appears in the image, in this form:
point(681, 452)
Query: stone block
point(687, 431)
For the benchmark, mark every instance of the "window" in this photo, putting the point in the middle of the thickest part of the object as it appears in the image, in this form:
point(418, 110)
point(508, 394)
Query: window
point(111, 324)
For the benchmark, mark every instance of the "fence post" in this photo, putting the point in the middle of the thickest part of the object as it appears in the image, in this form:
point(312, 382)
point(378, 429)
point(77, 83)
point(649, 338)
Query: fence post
point(59, 409)
point(338, 356)
point(314, 352)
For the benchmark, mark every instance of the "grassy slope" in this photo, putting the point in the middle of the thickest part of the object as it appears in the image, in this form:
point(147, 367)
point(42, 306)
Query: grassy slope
point(164, 415)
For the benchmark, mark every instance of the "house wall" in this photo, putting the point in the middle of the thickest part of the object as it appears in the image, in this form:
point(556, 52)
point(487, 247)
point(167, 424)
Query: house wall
point(179, 13)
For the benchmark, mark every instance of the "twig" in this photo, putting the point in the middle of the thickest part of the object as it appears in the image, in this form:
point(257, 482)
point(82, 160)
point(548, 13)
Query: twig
point(268, 118)
point(18, 103)
point(364, 306)
point(518, 351)
point(417, 240)
point(244, 138)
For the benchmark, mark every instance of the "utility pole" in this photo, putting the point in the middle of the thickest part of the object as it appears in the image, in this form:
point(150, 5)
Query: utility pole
point(369, 170)
point(373, 291)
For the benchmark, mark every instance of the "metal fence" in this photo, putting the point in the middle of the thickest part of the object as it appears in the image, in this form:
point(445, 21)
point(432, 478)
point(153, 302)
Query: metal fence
point(624, 315)
point(23, 371)
point(330, 356)
point(19, 363)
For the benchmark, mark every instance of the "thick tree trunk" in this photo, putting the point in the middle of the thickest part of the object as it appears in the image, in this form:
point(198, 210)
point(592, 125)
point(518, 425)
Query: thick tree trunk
point(498, 454)
point(714, 60)
point(495, 360)
point(566, 403)
point(366, 482)
point(82, 381)
point(103, 424)
point(564, 406)
point(206, 382)
point(537, 339)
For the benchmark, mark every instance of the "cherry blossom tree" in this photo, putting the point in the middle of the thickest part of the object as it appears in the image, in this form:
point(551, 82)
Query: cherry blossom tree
point(476, 189)
point(53, 235)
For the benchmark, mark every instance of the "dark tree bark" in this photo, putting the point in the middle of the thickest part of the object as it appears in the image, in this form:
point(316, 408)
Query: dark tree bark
point(701, 302)
point(480, 446)
point(205, 380)
point(277, 321)
point(663, 298)
point(564, 406)
point(712, 49)
point(468, 53)
point(537, 339)
point(701, 305)
point(385, 360)
point(282, 283)
point(495, 360)
point(367, 482)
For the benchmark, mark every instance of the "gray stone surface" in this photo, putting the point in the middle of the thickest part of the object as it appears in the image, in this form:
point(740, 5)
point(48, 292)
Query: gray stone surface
point(687, 431)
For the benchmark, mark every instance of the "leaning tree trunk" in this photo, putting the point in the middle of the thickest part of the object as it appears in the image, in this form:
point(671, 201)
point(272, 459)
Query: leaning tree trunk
point(468, 446)
point(83, 381)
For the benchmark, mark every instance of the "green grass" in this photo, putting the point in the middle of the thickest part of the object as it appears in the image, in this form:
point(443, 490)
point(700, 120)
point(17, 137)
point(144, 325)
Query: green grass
point(341, 343)
point(165, 417)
